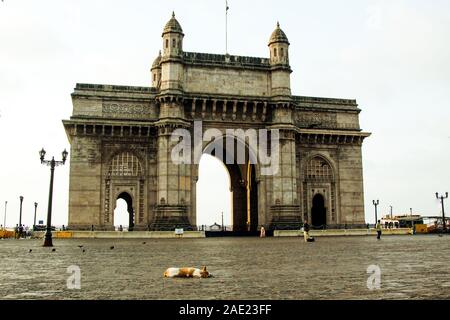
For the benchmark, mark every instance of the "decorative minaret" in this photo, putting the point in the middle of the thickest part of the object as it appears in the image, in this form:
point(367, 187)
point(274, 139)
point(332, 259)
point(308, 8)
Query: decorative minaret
point(279, 60)
point(172, 57)
point(285, 203)
point(156, 71)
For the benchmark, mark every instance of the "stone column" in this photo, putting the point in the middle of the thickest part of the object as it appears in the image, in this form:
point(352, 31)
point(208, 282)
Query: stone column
point(285, 209)
point(173, 178)
point(85, 184)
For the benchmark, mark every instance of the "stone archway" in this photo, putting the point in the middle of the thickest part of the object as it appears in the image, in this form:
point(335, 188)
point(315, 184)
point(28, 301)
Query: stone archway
point(125, 179)
point(129, 200)
point(318, 211)
point(319, 177)
point(243, 183)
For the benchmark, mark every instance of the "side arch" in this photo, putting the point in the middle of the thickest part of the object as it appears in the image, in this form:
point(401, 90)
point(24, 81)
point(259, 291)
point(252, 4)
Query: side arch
point(128, 198)
point(124, 173)
point(319, 176)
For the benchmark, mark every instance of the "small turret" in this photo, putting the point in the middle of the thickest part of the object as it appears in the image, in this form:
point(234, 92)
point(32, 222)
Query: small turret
point(279, 47)
point(279, 60)
point(171, 61)
point(156, 71)
point(172, 38)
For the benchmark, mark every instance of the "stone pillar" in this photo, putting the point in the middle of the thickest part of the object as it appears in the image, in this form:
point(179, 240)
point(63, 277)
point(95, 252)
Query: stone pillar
point(351, 185)
point(238, 188)
point(285, 209)
point(173, 178)
point(85, 184)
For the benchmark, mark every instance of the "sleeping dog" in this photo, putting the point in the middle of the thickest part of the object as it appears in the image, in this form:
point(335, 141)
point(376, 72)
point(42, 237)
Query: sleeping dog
point(186, 273)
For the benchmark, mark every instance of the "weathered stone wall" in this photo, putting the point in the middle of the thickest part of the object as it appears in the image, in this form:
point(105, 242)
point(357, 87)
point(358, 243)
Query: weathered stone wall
point(114, 102)
point(172, 76)
point(229, 81)
point(351, 185)
point(327, 119)
point(85, 182)
point(114, 109)
point(281, 83)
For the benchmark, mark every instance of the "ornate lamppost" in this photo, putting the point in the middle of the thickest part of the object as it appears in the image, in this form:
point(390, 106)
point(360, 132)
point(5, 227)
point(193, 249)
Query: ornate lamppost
point(34, 221)
point(376, 203)
point(52, 163)
point(412, 221)
point(443, 213)
point(20, 214)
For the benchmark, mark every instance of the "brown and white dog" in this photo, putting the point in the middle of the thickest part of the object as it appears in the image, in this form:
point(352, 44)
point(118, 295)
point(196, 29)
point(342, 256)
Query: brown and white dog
point(186, 273)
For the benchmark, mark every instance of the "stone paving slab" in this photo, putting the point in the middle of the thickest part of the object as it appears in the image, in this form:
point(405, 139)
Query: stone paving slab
point(411, 267)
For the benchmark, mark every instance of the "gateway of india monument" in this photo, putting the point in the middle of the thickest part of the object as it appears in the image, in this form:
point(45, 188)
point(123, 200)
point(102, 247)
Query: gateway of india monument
point(122, 139)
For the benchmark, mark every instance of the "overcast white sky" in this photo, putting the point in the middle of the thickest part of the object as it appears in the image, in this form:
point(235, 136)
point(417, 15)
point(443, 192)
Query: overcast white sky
point(392, 56)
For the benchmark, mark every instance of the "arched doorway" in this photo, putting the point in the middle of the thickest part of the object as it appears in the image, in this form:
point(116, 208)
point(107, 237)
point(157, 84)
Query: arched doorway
point(129, 202)
point(243, 184)
point(214, 199)
point(318, 211)
point(125, 174)
point(121, 217)
point(319, 180)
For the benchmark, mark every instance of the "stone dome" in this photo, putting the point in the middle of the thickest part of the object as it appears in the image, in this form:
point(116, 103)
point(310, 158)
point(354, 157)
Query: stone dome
point(278, 36)
point(173, 26)
point(157, 62)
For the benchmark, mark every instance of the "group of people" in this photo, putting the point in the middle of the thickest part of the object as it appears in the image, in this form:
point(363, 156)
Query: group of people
point(21, 231)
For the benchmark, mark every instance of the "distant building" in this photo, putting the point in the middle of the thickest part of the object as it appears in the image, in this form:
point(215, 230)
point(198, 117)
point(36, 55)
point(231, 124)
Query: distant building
point(215, 227)
point(402, 221)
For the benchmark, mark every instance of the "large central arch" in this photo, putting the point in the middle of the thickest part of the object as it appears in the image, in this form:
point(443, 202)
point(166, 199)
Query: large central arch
point(243, 181)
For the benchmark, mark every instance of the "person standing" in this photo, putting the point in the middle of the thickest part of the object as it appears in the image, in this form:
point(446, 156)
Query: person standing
point(378, 228)
point(306, 231)
point(262, 233)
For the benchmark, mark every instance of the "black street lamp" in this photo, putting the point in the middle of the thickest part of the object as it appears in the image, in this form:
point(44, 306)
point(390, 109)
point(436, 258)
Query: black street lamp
point(443, 213)
point(412, 221)
point(34, 221)
point(52, 163)
point(20, 214)
point(376, 203)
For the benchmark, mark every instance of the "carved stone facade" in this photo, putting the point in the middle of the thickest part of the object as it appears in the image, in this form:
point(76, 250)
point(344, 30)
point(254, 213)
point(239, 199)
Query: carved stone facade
point(122, 138)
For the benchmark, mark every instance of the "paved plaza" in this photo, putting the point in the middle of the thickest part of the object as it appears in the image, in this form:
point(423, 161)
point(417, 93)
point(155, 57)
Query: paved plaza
point(412, 267)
